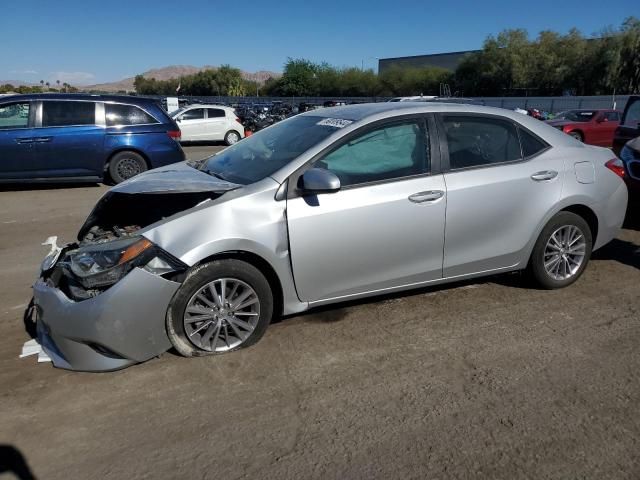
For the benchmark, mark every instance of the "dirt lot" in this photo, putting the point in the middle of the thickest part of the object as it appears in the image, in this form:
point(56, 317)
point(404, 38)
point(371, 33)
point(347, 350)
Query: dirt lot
point(481, 380)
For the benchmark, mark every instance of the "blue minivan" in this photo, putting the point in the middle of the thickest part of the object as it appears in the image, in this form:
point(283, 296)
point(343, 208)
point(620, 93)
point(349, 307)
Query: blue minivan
point(67, 137)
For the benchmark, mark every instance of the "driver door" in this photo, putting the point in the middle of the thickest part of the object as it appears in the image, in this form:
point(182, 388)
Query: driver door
point(193, 124)
point(383, 229)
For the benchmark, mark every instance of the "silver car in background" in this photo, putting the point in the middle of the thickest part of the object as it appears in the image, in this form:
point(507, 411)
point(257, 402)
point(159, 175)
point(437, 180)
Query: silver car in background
point(327, 206)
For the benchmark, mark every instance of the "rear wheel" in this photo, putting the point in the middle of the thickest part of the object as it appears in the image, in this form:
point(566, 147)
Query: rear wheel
point(124, 165)
point(222, 306)
point(231, 137)
point(561, 252)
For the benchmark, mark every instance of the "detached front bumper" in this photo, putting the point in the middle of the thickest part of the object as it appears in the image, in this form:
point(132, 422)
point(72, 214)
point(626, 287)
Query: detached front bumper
point(119, 327)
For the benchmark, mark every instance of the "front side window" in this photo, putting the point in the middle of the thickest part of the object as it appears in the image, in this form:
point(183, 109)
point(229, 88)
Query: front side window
point(193, 114)
point(215, 113)
point(67, 113)
point(476, 141)
point(385, 153)
point(14, 115)
point(117, 114)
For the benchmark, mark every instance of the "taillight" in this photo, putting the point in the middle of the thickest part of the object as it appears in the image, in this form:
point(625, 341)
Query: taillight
point(616, 166)
point(175, 134)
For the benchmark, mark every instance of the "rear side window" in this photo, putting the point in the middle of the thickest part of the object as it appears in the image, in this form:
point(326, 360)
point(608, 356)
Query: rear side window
point(14, 115)
point(632, 115)
point(531, 145)
point(62, 114)
point(194, 114)
point(476, 141)
point(215, 113)
point(126, 115)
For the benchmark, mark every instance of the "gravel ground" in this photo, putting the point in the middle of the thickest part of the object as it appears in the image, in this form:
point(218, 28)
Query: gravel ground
point(481, 379)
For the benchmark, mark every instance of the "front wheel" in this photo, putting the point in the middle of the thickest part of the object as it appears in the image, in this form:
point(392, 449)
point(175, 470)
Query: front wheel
point(561, 252)
point(232, 137)
point(221, 306)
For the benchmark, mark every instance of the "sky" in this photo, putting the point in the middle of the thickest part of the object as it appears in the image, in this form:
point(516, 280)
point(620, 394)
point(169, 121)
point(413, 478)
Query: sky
point(86, 42)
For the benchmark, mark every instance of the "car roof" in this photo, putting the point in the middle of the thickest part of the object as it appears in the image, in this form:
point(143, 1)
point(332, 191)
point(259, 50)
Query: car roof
point(83, 96)
point(362, 111)
point(205, 105)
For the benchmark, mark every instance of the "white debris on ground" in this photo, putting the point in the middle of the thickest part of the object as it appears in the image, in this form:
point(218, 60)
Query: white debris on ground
point(32, 347)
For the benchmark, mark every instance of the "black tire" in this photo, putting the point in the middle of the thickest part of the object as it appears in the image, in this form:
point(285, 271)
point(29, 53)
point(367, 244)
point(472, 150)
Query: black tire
point(199, 277)
point(577, 135)
point(230, 136)
point(536, 268)
point(124, 165)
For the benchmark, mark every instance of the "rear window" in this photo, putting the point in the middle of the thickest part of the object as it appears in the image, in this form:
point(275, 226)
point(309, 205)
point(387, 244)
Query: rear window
point(531, 145)
point(117, 114)
point(67, 113)
point(215, 113)
point(632, 115)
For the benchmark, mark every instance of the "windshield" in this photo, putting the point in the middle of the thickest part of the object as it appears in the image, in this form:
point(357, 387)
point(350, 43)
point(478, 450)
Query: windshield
point(267, 151)
point(576, 115)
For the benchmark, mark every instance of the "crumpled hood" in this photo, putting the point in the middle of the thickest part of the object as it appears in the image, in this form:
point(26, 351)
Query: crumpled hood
point(175, 178)
point(150, 197)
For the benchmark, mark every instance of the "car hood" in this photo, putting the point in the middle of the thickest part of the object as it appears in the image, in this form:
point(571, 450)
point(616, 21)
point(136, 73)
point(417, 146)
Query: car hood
point(148, 198)
point(559, 122)
point(175, 178)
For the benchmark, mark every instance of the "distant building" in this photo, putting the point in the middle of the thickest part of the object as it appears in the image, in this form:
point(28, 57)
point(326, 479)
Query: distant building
point(450, 61)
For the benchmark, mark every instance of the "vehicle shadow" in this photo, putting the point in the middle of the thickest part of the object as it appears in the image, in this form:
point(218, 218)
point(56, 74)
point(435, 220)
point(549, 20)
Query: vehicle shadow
point(627, 253)
point(17, 187)
point(632, 218)
point(13, 461)
point(338, 311)
point(203, 143)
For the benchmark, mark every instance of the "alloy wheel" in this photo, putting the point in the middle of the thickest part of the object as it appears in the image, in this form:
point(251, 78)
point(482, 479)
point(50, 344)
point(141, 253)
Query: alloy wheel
point(565, 252)
point(221, 315)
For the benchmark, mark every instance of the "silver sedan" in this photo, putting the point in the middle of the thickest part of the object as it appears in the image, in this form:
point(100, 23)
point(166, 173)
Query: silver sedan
point(331, 205)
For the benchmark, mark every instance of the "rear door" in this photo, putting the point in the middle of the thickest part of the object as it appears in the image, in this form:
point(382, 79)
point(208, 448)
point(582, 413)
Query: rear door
point(16, 140)
point(609, 122)
point(193, 124)
point(216, 123)
point(69, 138)
point(497, 192)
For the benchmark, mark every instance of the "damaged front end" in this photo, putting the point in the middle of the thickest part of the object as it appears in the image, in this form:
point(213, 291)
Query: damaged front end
point(102, 300)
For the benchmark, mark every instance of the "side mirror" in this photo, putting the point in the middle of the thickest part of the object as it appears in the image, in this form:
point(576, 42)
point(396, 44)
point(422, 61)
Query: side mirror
point(319, 180)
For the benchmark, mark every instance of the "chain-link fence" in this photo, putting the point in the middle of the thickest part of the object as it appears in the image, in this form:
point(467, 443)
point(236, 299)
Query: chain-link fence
point(547, 104)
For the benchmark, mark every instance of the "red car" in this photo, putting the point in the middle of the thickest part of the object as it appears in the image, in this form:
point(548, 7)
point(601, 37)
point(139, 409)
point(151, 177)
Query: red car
point(595, 127)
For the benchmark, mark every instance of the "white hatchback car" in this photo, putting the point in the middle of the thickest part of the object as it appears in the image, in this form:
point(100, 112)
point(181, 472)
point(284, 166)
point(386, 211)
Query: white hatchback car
point(209, 123)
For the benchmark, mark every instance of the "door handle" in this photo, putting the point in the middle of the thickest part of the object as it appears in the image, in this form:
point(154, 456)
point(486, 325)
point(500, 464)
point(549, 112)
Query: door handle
point(42, 139)
point(544, 175)
point(24, 140)
point(428, 196)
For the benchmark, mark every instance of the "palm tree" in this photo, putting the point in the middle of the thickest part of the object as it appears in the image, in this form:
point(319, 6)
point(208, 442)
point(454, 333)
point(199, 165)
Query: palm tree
point(58, 82)
point(47, 84)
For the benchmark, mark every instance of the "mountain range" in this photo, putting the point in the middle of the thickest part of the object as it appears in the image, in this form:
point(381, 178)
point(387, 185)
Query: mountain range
point(174, 71)
point(164, 73)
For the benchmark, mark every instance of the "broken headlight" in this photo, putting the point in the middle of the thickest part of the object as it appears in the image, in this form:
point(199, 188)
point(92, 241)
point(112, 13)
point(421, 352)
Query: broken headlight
point(104, 264)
